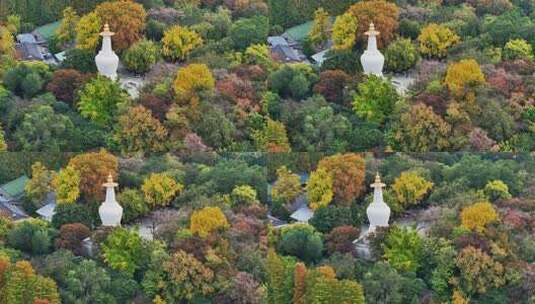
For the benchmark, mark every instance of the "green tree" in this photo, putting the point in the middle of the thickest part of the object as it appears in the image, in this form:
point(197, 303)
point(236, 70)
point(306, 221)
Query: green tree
point(87, 283)
point(403, 249)
point(72, 213)
point(401, 55)
point(375, 99)
point(124, 250)
point(100, 98)
point(302, 241)
point(280, 281)
point(272, 137)
point(133, 204)
point(326, 219)
point(44, 130)
point(140, 57)
point(247, 31)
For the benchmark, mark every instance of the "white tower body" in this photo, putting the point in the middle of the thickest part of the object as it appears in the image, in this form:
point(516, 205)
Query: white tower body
point(107, 61)
point(110, 211)
point(378, 212)
point(372, 60)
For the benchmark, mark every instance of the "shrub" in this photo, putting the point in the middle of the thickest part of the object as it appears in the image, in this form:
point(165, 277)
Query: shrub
point(140, 57)
point(401, 55)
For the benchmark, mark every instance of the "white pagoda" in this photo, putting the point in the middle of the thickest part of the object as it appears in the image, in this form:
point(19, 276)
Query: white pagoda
point(372, 60)
point(110, 211)
point(378, 211)
point(107, 61)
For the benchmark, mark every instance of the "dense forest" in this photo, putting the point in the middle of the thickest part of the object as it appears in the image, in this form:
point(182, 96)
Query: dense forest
point(461, 230)
point(246, 144)
point(211, 81)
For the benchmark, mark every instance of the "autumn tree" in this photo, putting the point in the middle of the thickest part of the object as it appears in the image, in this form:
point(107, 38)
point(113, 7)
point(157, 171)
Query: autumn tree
point(347, 171)
point(344, 31)
point(319, 33)
point(124, 250)
point(272, 137)
point(435, 40)
point(479, 272)
point(192, 79)
point(3, 145)
point(280, 278)
point(38, 186)
point(518, 49)
point(94, 168)
point(244, 195)
point(320, 189)
point(65, 83)
point(7, 47)
point(478, 215)
point(463, 75)
point(67, 29)
point(66, 185)
point(159, 189)
point(497, 190)
point(375, 99)
point(208, 220)
point(287, 187)
point(126, 18)
point(87, 32)
point(421, 130)
point(23, 285)
point(341, 239)
point(332, 84)
point(139, 132)
point(299, 289)
point(410, 188)
point(71, 237)
point(178, 42)
point(188, 277)
point(99, 99)
point(382, 13)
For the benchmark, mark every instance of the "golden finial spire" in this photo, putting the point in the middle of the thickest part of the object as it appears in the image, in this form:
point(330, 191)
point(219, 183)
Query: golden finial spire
point(110, 182)
point(371, 30)
point(107, 31)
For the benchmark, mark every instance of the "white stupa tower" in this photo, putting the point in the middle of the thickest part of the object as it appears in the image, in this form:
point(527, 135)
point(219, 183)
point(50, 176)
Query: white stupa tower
point(110, 211)
point(107, 61)
point(372, 60)
point(378, 212)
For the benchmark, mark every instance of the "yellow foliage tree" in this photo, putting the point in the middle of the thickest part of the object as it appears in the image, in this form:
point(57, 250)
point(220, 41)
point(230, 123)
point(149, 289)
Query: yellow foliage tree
point(7, 44)
point(287, 187)
point(87, 32)
point(320, 189)
point(67, 29)
point(479, 272)
point(409, 188)
point(39, 185)
point(126, 18)
point(272, 138)
point(207, 220)
point(463, 75)
point(458, 298)
point(435, 40)
point(3, 145)
point(320, 29)
point(192, 79)
point(178, 42)
point(478, 215)
point(159, 189)
point(344, 33)
point(66, 185)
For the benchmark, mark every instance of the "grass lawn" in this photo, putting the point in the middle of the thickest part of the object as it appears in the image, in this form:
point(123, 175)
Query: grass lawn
point(300, 32)
point(48, 30)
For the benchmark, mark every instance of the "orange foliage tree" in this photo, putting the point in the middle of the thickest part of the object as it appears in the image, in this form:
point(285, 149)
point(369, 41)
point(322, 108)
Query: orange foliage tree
point(348, 172)
point(383, 14)
point(94, 168)
point(126, 18)
point(300, 273)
